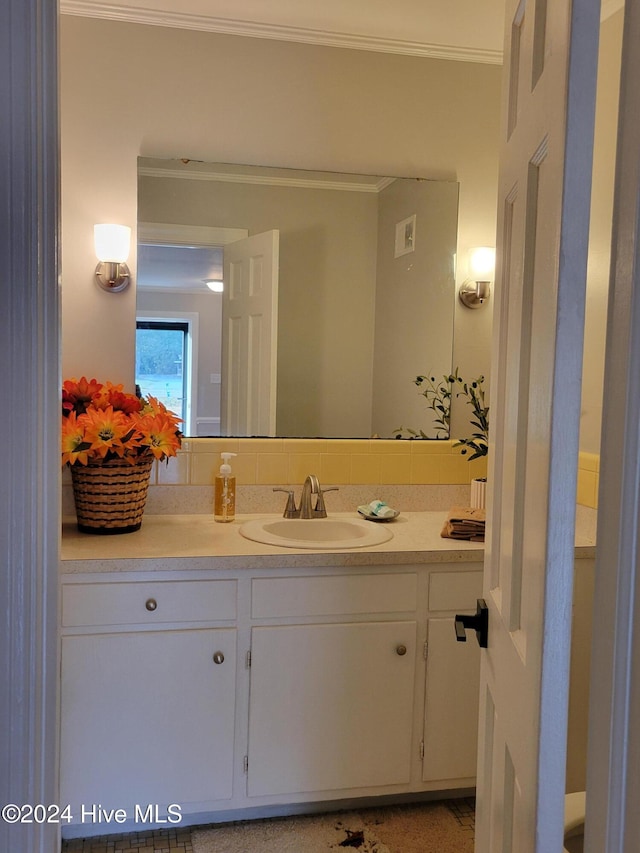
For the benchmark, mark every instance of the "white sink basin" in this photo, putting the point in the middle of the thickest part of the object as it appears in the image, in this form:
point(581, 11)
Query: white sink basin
point(316, 533)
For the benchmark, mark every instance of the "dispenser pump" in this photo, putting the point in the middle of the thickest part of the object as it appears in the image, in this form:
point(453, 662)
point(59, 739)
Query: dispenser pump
point(225, 468)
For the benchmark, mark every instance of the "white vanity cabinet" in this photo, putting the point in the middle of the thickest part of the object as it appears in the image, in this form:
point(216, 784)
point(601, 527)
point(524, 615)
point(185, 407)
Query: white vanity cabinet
point(240, 683)
point(233, 691)
point(332, 700)
point(147, 694)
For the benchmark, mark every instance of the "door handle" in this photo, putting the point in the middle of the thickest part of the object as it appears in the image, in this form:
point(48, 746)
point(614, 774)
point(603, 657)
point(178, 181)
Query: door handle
point(479, 623)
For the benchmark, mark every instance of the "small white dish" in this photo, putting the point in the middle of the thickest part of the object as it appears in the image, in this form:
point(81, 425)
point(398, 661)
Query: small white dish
point(365, 512)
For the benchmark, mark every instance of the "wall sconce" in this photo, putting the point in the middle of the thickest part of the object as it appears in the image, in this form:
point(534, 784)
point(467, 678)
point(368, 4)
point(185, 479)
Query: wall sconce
point(475, 290)
point(112, 244)
point(215, 284)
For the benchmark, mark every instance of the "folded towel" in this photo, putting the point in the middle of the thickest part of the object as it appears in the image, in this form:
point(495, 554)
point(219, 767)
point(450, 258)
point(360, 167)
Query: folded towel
point(464, 523)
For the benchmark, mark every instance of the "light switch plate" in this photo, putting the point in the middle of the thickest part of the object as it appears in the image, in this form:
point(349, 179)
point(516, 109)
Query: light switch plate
point(405, 236)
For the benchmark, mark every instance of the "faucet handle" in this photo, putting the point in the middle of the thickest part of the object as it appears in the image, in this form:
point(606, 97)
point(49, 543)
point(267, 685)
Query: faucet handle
point(320, 511)
point(290, 510)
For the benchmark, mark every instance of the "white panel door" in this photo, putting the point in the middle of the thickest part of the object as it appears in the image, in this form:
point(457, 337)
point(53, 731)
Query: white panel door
point(544, 197)
point(250, 336)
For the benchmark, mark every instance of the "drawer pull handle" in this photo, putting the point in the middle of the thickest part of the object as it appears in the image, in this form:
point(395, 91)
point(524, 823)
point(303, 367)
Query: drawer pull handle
point(401, 650)
point(218, 657)
point(151, 604)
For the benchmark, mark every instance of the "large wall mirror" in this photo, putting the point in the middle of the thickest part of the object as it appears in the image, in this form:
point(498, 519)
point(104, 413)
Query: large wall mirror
point(357, 280)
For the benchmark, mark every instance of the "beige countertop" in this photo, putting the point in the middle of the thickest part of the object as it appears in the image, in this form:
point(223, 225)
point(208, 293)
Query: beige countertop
point(165, 542)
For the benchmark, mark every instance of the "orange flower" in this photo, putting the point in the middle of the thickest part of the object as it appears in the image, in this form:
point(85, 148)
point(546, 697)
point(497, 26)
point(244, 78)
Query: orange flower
point(74, 446)
point(127, 403)
point(108, 431)
point(158, 433)
point(78, 394)
point(102, 422)
point(113, 395)
point(155, 407)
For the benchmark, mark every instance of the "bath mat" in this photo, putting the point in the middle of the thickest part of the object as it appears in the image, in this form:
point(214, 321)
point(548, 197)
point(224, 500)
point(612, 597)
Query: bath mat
point(423, 828)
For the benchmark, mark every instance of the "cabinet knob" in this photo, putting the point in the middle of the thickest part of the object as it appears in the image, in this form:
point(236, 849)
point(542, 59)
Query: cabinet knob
point(218, 657)
point(401, 650)
point(151, 604)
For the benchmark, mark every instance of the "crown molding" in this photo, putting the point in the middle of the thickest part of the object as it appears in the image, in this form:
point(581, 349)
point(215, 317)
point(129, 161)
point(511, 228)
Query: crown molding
point(255, 29)
point(265, 180)
point(169, 234)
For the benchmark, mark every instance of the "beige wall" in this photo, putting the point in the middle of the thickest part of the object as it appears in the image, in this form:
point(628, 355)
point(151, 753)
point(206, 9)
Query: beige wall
point(414, 302)
point(211, 97)
point(130, 90)
point(600, 233)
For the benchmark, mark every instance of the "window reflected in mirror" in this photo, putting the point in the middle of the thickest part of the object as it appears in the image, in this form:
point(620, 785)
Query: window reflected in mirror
point(162, 363)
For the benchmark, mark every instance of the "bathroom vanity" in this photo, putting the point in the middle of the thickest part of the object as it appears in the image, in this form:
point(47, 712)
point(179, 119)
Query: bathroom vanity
point(237, 679)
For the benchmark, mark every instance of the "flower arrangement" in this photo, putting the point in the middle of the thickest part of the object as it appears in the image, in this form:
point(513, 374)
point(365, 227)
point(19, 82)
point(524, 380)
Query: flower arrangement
point(100, 422)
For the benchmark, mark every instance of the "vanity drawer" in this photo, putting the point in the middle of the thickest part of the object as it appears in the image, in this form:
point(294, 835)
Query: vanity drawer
point(454, 590)
point(85, 604)
point(337, 595)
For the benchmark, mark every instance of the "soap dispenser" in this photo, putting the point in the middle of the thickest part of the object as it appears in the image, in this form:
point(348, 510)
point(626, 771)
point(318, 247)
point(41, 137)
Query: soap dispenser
point(224, 508)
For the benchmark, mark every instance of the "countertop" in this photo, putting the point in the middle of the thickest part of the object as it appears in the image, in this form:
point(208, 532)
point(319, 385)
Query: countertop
point(165, 542)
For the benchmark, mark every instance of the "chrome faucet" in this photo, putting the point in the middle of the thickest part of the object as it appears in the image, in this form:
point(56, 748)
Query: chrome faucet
point(311, 487)
point(305, 510)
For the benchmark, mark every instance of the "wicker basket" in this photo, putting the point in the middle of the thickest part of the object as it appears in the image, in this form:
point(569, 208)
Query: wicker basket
point(110, 496)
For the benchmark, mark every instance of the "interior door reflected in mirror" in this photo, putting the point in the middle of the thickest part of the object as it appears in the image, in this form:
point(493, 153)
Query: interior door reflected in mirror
point(355, 319)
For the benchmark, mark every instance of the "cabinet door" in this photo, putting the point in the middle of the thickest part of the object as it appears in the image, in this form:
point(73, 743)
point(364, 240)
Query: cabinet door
point(451, 704)
point(330, 706)
point(147, 718)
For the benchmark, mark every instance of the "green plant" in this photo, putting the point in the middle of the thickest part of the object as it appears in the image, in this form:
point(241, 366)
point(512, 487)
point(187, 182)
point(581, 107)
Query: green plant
point(437, 393)
point(478, 443)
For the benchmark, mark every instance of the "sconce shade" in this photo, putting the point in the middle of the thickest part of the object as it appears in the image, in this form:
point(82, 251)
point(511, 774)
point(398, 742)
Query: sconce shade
point(475, 291)
point(482, 262)
point(112, 244)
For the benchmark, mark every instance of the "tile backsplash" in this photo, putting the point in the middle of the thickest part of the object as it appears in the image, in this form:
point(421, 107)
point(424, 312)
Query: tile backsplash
point(287, 461)
point(588, 479)
point(411, 475)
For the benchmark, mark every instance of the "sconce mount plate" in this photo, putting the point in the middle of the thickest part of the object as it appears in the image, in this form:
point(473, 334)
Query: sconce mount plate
point(474, 294)
point(112, 276)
